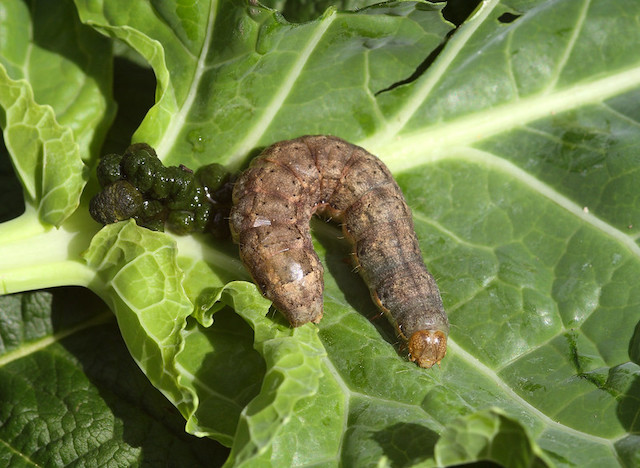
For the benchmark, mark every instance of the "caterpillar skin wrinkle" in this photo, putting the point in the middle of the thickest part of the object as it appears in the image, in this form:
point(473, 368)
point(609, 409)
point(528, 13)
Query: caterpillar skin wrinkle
point(273, 201)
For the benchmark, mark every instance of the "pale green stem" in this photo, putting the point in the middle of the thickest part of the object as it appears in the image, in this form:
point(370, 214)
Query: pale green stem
point(35, 256)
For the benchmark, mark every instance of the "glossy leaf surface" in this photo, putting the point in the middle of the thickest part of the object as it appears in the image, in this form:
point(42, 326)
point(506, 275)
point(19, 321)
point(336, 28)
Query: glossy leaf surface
point(513, 138)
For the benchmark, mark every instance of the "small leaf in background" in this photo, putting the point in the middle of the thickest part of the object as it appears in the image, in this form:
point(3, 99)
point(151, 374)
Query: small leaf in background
point(47, 158)
point(52, 71)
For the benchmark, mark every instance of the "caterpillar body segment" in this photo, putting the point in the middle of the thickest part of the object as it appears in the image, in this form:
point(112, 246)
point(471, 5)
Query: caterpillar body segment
point(273, 202)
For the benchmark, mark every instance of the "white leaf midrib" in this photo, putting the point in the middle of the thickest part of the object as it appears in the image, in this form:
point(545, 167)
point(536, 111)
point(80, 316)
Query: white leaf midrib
point(406, 152)
point(33, 347)
point(260, 125)
point(178, 121)
point(423, 88)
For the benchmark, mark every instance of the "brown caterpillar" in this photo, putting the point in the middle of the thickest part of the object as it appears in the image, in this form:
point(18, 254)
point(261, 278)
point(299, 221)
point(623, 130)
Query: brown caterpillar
point(273, 201)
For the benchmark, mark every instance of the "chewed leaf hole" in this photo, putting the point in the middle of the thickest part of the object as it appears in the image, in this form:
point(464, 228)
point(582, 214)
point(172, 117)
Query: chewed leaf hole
point(507, 18)
point(418, 72)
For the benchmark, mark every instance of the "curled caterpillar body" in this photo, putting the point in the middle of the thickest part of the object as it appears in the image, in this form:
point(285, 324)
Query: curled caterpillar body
point(273, 201)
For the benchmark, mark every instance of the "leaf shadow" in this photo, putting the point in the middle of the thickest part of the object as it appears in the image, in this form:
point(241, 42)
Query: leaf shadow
point(56, 26)
point(406, 444)
point(133, 91)
point(11, 196)
point(339, 262)
point(232, 372)
point(628, 409)
point(110, 390)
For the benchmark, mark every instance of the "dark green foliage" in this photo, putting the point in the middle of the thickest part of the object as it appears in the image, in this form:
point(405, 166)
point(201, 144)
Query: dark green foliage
point(137, 185)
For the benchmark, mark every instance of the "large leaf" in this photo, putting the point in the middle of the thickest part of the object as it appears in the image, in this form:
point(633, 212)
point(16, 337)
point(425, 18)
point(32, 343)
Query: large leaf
point(525, 270)
point(67, 64)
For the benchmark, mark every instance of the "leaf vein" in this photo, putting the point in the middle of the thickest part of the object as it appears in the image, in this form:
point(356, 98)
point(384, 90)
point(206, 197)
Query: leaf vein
point(47, 341)
point(580, 21)
point(260, 125)
point(444, 60)
point(500, 383)
point(170, 136)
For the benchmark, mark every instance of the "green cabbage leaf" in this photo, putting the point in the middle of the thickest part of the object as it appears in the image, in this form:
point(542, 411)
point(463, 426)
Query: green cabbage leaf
point(513, 135)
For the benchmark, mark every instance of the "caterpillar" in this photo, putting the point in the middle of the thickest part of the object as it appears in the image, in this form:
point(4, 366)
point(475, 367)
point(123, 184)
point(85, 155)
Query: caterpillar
point(273, 202)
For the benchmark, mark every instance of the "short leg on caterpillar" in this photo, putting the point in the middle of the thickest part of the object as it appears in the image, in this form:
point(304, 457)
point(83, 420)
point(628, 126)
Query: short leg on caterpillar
point(377, 316)
point(292, 180)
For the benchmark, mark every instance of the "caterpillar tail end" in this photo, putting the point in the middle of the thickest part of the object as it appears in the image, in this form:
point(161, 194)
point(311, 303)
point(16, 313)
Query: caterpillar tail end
point(427, 347)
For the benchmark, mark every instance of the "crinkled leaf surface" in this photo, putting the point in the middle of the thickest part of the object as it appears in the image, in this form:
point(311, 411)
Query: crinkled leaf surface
point(47, 157)
point(140, 279)
point(514, 145)
point(71, 394)
point(486, 435)
point(67, 64)
point(55, 77)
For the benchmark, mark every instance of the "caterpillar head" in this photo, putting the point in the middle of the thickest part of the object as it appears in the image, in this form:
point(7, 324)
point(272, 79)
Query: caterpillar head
point(427, 347)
